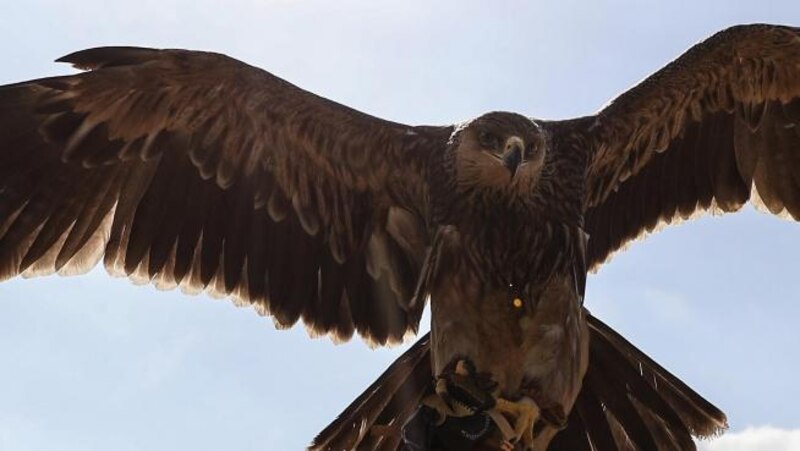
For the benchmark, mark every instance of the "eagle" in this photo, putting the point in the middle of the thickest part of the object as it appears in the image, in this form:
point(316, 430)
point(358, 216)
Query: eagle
point(191, 169)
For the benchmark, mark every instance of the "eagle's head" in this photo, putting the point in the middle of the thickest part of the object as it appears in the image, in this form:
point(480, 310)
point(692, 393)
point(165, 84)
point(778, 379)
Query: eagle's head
point(499, 151)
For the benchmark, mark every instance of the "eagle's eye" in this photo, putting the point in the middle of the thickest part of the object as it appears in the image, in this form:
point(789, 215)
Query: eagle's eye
point(488, 140)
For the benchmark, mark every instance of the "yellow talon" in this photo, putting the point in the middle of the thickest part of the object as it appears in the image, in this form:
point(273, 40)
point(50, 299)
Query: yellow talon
point(461, 368)
point(525, 413)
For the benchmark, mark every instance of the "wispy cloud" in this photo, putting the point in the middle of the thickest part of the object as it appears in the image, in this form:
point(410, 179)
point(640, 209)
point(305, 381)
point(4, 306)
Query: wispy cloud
point(761, 438)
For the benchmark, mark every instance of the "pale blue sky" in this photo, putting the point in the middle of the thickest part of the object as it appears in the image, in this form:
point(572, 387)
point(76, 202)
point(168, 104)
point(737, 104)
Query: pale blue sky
point(94, 363)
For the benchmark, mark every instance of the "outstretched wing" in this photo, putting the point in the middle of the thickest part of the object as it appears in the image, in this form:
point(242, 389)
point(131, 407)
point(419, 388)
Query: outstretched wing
point(716, 127)
point(196, 170)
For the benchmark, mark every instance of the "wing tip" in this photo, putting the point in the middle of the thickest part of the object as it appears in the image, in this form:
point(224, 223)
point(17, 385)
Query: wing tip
point(100, 57)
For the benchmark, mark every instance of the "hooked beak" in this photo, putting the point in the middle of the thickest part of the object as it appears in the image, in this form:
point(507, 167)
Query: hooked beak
point(513, 154)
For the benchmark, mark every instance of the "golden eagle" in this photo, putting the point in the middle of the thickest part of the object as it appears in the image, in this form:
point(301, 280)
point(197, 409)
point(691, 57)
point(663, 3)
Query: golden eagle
point(196, 170)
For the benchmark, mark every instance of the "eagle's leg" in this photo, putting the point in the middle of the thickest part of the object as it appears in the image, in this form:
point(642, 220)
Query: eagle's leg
point(525, 412)
point(455, 415)
point(460, 392)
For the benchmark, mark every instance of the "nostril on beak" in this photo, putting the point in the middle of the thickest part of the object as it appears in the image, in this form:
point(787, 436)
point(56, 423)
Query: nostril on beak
point(512, 154)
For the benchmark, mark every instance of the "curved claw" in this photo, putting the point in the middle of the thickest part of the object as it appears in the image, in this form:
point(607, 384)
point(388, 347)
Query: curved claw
point(463, 390)
point(525, 412)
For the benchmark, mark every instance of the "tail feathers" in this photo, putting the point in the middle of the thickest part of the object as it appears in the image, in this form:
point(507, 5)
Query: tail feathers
point(627, 402)
point(386, 404)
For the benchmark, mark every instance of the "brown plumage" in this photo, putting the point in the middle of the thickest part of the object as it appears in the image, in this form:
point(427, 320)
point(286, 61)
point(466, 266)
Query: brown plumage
point(193, 169)
point(210, 174)
point(699, 134)
point(620, 378)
